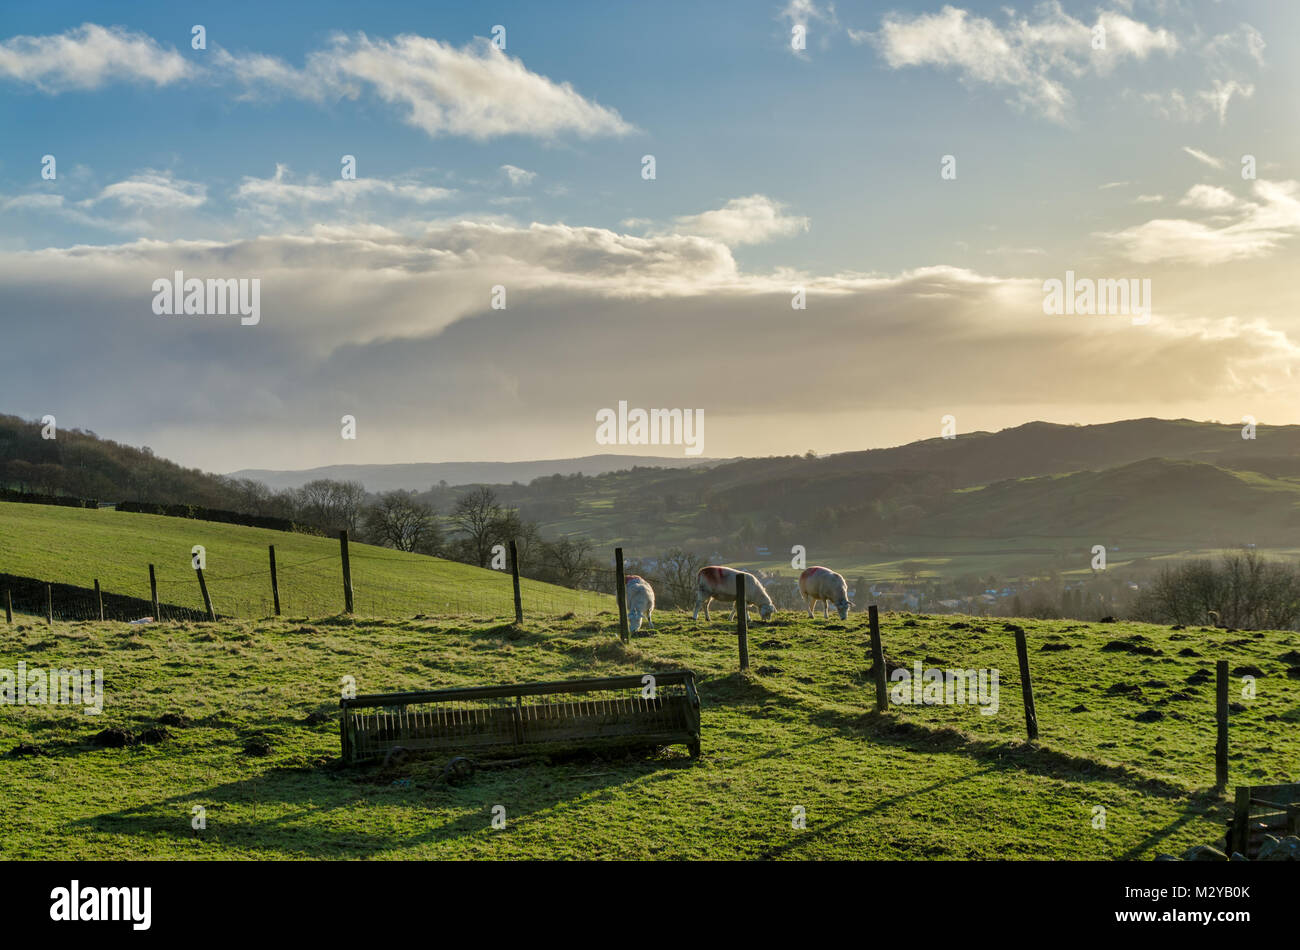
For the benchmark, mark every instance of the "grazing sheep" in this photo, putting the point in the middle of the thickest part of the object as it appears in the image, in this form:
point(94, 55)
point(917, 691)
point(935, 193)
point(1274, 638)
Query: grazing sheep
point(719, 583)
point(640, 603)
point(823, 584)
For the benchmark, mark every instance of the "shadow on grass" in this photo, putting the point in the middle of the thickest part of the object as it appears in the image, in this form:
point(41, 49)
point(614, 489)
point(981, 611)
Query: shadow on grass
point(1202, 805)
point(822, 831)
point(1030, 757)
point(288, 812)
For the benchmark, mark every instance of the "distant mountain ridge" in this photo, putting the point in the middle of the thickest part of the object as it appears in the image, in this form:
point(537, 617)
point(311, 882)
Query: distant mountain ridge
point(419, 476)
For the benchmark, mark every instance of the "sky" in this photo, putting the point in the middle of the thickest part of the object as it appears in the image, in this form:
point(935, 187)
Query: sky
point(848, 239)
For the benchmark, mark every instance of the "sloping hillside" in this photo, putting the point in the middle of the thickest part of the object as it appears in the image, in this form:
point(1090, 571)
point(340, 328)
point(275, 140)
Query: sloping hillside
point(418, 476)
point(249, 732)
point(1155, 499)
point(75, 546)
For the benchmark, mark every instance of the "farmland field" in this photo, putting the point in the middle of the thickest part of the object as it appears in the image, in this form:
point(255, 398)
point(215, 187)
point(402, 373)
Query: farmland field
point(797, 731)
point(76, 545)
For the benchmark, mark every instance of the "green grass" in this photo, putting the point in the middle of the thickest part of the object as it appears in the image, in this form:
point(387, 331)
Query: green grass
point(798, 730)
point(75, 546)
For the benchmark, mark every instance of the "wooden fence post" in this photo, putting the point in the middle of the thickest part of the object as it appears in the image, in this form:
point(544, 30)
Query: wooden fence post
point(49, 605)
point(99, 597)
point(742, 621)
point(9, 606)
point(275, 583)
point(153, 594)
point(1239, 839)
point(347, 571)
point(1221, 714)
point(203, 589)
point(621, 581)
point(514, 576)
point(1026, 687)
point(878, 658)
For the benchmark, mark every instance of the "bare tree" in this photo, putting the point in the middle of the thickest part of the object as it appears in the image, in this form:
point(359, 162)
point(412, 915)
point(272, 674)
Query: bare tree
point(1244, 590)
point(330, 505)
point(678, 568)
point(477, 515)
point(569, 562)
point(398, 520)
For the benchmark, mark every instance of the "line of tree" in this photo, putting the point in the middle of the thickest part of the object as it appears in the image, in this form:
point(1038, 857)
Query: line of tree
point(1243, 590)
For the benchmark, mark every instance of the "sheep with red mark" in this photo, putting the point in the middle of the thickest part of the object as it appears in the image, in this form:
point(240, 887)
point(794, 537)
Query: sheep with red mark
point(823, 584)
point(719, 583)
point(640, 603)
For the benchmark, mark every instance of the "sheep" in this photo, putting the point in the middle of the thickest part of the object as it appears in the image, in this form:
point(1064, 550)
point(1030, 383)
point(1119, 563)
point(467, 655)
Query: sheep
point(640, 603)
point(720, 583)
point(823, 584)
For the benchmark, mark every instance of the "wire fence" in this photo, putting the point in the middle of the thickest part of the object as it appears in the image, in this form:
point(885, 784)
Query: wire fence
point(384, 584)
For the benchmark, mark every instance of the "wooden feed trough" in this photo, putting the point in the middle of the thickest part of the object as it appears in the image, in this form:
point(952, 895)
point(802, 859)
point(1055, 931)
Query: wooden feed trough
point(1263, 810)
point(524, 717)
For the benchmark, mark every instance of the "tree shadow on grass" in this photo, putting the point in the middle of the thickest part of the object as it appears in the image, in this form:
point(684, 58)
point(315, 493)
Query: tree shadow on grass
point(1029, 757)
point(736, 689)
point(288, 812)
point(809, 837)
point(1201, 806)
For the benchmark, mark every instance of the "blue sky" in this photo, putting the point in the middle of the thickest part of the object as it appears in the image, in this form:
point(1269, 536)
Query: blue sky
point(774, 167)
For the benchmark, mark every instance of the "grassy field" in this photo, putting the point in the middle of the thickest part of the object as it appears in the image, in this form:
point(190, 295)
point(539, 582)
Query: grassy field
point(798, 730)
point(76, 545)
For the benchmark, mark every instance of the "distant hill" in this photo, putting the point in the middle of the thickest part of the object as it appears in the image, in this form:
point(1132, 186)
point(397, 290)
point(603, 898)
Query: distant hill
point(1192, 503)
point(420, 476)
point(1042, 448)
point(1177, 482)
point(79, 463)
point(924, 489)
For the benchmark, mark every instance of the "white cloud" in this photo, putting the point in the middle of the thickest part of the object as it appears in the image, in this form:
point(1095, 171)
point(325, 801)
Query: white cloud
point(1034, 59)
point(1254, 228)
point(518, 176)
point(279, 190)
point(1225, 60)
point(1202, 157)
point(1208, 198)
point(750, 220)
point(801, 13)
point(1220, 95)
point(153, 191)
point(32, 202)
point(581, 299)
point(88, 57)
point(477, 91)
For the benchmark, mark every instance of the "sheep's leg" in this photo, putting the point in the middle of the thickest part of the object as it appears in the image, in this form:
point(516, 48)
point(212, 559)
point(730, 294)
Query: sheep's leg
point(809, 602)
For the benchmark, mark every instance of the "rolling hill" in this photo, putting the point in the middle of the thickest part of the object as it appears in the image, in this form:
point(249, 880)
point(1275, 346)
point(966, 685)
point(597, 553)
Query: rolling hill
point(418, 476)
point(1168, 500)
point(75, 546)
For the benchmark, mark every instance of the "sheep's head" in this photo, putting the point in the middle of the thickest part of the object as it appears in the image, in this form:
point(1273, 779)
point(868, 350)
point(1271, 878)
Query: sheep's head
point(843, 607)
point(766, 610)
